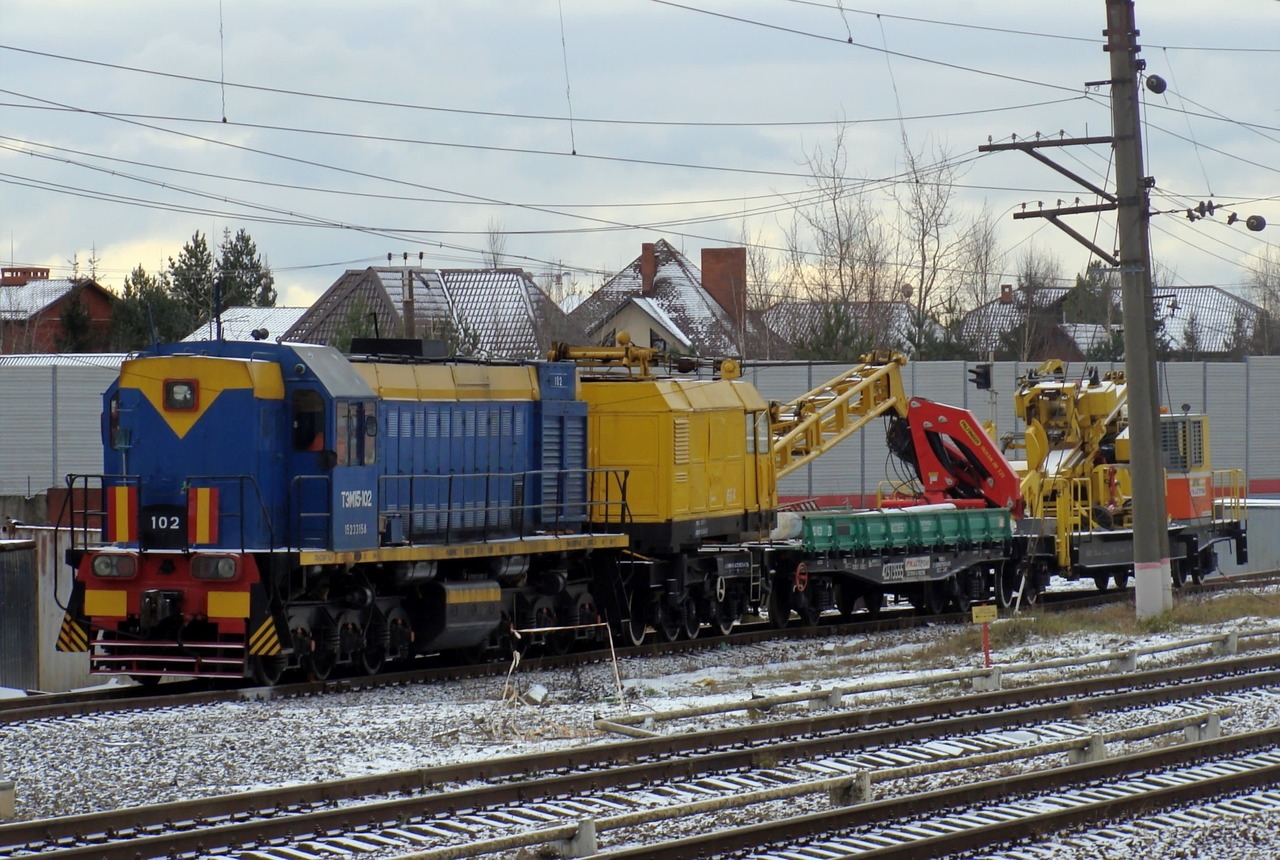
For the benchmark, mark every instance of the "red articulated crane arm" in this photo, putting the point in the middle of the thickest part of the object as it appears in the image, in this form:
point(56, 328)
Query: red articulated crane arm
point(953, 457)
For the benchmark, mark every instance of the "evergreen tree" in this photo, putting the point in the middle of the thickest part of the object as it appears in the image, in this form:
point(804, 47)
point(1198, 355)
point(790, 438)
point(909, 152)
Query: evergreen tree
point(76, 333)
point(191, 280)
point(246, 279)
point(146, 298)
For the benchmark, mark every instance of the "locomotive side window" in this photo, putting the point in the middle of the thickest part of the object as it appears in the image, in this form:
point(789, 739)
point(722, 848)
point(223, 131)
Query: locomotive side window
point(346, 435)
point(180, 394)
point(308, 420)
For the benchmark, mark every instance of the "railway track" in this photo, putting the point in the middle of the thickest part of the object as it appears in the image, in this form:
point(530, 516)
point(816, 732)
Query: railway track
point(457, 807)
point(53, 706)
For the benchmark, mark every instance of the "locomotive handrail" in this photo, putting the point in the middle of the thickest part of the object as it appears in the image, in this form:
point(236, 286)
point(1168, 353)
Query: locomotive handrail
point(82, 516)
point(193, 480)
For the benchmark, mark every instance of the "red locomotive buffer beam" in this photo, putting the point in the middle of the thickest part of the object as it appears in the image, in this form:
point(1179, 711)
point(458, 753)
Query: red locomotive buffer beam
point(953, 457)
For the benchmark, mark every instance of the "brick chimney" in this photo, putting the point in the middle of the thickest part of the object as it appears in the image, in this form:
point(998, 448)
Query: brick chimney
point(18, 277)
point(724, 276)
point(648, 268)
point(1006, 294)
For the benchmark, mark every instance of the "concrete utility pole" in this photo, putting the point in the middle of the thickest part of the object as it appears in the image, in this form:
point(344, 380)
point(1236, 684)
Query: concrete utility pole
point(1151, 569)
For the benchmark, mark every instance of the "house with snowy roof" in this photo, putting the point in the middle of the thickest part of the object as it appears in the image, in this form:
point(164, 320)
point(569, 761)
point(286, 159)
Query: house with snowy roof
point(1192, 322)
point(35, 309)
point(247, 323)
point(492, 313)
point(857, 326)
point(664, 301)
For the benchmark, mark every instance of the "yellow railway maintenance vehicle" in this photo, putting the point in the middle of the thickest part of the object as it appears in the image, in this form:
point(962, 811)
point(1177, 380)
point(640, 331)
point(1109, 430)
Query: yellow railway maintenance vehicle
point(1073, 460)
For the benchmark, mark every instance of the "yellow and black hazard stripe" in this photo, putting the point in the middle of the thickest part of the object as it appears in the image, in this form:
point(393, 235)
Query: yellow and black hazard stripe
point(74, 635)
point(265, 641)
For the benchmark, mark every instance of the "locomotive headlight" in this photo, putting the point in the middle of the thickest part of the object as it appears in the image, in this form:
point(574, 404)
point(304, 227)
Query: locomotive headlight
point(115, 566)
point(213, 567)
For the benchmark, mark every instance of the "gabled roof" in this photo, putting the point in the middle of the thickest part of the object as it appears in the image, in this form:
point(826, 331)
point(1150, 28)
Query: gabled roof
point(653, 309)
point(23, 301)
point(493, 312)
point(891, 322)
point(1214, 310)
point(238, 323)
point(678, 292)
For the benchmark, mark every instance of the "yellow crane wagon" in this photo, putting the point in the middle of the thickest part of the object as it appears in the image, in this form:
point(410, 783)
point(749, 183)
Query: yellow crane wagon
point(1073, 460)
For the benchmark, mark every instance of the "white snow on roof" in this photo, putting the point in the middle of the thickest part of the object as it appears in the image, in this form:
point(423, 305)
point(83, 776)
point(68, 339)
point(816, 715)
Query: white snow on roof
point(111, 360)
point(655, 310)
point(237, 323)
point(23, 301)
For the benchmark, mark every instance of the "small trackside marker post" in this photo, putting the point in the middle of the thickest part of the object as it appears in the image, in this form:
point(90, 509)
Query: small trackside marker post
point(984, 614)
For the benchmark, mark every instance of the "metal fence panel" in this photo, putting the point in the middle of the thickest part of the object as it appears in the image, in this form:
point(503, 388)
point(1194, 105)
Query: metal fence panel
point(19, 633)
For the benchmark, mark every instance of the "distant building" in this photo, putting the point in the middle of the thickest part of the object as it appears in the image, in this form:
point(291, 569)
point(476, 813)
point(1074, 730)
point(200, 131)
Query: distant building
point(241, 323)
point(1196, 322)
point(33, 305)
point(498, 313)
point(874, 325)
point(663, 300)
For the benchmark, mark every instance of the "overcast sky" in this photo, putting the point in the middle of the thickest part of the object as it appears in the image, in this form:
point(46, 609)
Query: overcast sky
point(357, 129)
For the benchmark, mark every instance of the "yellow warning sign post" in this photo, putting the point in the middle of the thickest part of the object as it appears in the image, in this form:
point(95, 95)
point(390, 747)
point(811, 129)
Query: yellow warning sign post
point(984, 614)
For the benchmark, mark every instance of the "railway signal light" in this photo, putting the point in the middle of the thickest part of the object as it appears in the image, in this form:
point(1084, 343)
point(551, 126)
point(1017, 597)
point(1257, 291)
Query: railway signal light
point(980, 375)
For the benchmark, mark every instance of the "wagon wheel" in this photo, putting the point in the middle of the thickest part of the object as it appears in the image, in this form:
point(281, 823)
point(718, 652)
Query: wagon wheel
point(666, 623)
point(780, 603)
point(1009, 582)
point(809, 613)
point(634, 627)
point(1101, 581)
point(873, 601)
point(723, 609)
point(690, 620)
point(847, 596)
point(932, 598)
point(960, 594)
point(1121, 579)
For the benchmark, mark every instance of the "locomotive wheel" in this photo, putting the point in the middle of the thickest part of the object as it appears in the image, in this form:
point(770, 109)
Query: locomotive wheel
point(691, 623)
point(1178, 572)
point(374, 653)
point(1121, 579)
point(319, 664)
point(545, 615)
point(266, 669)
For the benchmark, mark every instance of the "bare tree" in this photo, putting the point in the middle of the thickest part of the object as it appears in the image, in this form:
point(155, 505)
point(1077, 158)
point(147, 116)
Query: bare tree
point(930, 249)
point(1264, 291)
point(495, 244)
point(838, 260)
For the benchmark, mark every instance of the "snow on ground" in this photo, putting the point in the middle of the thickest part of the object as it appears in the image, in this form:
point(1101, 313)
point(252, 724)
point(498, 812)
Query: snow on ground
point(84, 764)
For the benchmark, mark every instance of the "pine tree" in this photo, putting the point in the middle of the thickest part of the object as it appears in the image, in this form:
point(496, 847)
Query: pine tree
point(246, 279)
point(144, 299)
point(191, 279)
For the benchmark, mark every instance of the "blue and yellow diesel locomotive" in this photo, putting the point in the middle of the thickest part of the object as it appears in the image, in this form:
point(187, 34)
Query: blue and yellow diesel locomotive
point(276, 505)
point(282, 506)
